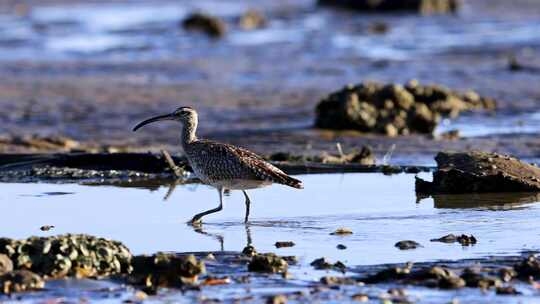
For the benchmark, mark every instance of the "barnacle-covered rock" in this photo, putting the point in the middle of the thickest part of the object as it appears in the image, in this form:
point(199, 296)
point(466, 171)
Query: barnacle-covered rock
point(68, 255)
point(268, 262)
point(164, 270)
point(19, 281)
point(393, 109)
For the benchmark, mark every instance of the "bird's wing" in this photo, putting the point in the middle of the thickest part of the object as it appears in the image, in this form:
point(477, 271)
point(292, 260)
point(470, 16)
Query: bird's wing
point(236, 157)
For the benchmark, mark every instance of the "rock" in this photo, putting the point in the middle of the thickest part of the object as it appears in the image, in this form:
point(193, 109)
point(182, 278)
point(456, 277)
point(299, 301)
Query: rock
point(464, 240)
point(249, 251)
point(449, 238)
point(507, 274)
point(323, 263)
point(420, 6)
point(436, 276)
point(6, 265)
point(68, 255)
point(165, 270)
point(360, 297)
point(389, 274)
point(268, 262)
point(19, 281)
point(276, 299)
point(341, 247)
point(46, 228)
point(284, 244)
point(407, 244)
point(474, 278)
point(342, 231)
point(450, 135)
point(251, 20)
point(210, 25)
point(472, 172)
point(332, 280)
point(379, 28)
point(392, 109)
point(506, 290)
point(528, 268)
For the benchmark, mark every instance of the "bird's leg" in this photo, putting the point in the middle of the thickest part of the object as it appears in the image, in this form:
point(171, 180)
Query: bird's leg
point(248, 203)
point(197, 218)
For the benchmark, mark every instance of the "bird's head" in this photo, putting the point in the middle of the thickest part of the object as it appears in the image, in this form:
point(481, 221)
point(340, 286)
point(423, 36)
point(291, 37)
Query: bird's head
point(182, 114)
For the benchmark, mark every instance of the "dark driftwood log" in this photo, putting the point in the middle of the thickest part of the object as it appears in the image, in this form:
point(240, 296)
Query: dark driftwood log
point(150, 163)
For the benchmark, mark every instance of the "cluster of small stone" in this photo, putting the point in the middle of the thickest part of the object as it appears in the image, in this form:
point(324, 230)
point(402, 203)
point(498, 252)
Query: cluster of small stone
point(68, 255)
point(445, 278)
point(393, 109)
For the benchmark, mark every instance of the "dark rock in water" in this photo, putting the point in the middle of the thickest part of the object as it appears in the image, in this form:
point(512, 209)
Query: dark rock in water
point(466, 240)
point(530, 267)
point(46, 227)
point(392, 109)
point(407, 244)
point(210, 25)
point(19, 281)
point(323, 263)
point(507, 290)
point(364, 156)
point(5, 264)
point(449, 238)
point(284, 244)
point(268, 262)
point(249, 251)
point(68, 255)
point(463, 239)
point(165, 270)
point(251, 20)
point(420, 6)
point(341, 247)
point(475, 171)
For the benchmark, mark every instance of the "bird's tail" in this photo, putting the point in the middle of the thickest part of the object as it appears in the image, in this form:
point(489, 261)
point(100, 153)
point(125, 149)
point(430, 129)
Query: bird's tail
point(292, 182)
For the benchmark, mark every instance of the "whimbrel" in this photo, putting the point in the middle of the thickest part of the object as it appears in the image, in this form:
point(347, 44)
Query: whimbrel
point(220, 165)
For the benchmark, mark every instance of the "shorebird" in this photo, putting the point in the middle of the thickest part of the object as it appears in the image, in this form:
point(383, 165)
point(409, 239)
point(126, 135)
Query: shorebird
point(221, 165)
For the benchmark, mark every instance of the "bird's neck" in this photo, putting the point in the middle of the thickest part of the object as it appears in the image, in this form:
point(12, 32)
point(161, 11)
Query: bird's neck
point(189, 130)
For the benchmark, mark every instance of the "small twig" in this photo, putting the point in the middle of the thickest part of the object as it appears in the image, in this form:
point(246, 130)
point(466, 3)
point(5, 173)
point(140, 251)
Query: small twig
point(176, 170)
point(340, 150)
point(388, 155)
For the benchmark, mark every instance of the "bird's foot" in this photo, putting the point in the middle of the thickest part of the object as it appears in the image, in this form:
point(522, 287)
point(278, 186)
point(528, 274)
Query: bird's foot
point(195, 222)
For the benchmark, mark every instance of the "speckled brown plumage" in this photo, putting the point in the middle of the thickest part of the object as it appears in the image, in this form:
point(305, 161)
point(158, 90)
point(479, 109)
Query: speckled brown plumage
point(214, 162)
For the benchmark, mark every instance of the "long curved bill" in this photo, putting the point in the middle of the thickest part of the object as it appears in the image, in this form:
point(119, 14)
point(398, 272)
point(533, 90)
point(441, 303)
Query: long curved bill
point(153, 119)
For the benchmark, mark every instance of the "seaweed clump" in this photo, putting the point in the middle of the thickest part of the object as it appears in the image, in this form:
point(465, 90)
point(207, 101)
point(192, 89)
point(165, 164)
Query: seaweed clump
point(393, 109)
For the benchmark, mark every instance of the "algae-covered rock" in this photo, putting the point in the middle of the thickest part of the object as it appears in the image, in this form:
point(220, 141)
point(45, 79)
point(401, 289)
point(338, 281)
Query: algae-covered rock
point(19, 281)
point(474, 278)
point(378, 6)
point(210, 25)
point(164, 270)
point(475, 172)
point(269, 263)
point(68, 255)
point(393, 109)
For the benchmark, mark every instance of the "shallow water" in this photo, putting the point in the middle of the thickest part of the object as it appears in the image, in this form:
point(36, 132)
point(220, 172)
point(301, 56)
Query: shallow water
point(380, 210)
